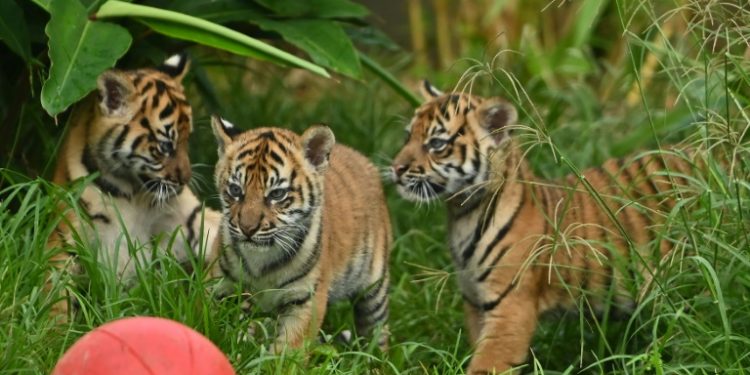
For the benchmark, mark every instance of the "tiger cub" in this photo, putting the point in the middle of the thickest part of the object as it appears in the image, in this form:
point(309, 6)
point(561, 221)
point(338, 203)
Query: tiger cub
point(133, 133)
point(522, 245)
point(305, 223)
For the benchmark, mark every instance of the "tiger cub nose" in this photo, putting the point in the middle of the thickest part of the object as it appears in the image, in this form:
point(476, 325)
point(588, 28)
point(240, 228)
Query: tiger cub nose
point(399, 169)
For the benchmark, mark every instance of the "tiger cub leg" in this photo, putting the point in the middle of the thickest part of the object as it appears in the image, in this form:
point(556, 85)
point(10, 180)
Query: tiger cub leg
point(371, 310)
point(300, 318)
point(506, 334)
point(473, 318)
point(60, 307)
point(61, 262)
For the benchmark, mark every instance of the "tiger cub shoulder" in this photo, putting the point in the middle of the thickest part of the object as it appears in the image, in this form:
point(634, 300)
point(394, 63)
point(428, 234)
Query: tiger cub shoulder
point(304, 223)
point(131, 134)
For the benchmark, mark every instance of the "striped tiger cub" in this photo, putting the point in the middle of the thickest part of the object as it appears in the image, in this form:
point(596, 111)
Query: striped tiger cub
point(522, 245)
point(132, 132)
point(305, 223)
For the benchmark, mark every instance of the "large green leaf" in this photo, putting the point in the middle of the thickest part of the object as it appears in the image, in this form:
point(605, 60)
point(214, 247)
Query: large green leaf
point(315, 8)
point(325, 41)
point(219, 11)
point(44, 4)
point(182, 26)
point(79, 50)
point(13, 29)
point(185, 32)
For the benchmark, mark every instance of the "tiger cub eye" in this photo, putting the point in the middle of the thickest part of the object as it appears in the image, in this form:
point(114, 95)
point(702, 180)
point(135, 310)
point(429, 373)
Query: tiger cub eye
point(278, 194)
point(235, 191)
point(437, 143)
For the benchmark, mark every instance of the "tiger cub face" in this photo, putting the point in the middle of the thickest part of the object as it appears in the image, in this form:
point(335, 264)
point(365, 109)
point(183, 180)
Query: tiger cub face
point(449, 142)
point(140, 129)
point(270, 181)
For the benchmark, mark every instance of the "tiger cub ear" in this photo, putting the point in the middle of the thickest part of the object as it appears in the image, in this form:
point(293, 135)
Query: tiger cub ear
point(317, 142)
point(428, 91)
point(224, 131)
point(116, 94)
point(176, 66)
point(495, 114)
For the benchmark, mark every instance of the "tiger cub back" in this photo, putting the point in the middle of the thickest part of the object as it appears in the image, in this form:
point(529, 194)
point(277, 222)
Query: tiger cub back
point(523, 245)
point(132, 132)
point(305, 222)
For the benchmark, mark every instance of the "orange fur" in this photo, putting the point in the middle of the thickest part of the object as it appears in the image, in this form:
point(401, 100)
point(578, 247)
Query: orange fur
point(133, 131)
point(523, 245)
point(305, 223)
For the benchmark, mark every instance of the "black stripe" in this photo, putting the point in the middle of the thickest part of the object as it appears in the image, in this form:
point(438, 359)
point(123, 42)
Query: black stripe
point(363, 307)
point(285, 138)
point(462, 153)
point(644, 172)
point(190, 220)
point(375, 288)
point(481, 225)
point(283, 148)
point(105, 186)
point(167, 111)
point(121, 137)
point(244, 153)
point(136, 142)
point(311, 262)
point(160, 87)
point(310, 193)
point(379, 315)
point(295, 302)
point(147, 87)
point(276, 157)
point(471, 247)
point(267, 135)
point(470, 206)
point(145, 123)
point(288, 255)
point(492, 265)
point(505, 229)
point(635, 191)
point(101, 217)
point(487, 306)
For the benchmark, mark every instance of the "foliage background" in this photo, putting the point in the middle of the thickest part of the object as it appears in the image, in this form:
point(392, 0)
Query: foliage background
point(592, 79)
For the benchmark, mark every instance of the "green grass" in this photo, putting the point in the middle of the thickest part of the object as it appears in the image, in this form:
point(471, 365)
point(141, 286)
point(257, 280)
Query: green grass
point(576, 114)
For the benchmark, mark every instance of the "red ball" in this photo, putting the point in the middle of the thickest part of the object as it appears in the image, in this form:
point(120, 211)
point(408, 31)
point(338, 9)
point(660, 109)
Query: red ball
point(143, 346)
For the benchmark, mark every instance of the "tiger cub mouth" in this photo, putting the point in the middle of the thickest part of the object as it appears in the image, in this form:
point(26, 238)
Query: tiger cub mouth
point(162, 189)
point(419, 189)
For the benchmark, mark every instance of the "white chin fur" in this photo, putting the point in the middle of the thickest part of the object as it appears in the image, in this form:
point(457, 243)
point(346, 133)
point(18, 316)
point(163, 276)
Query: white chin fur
point(245, 245)
point(413, 197)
